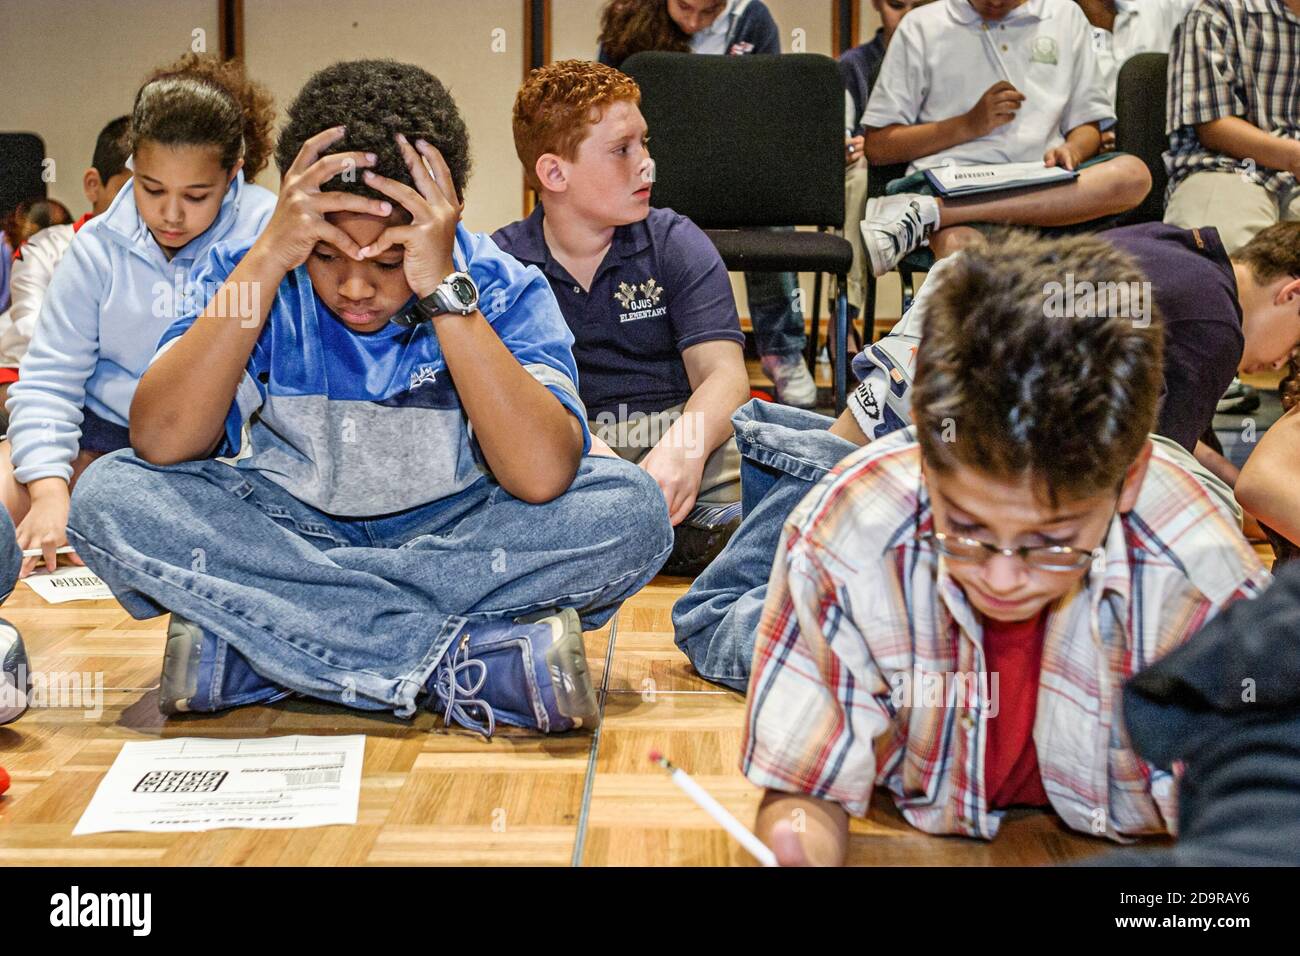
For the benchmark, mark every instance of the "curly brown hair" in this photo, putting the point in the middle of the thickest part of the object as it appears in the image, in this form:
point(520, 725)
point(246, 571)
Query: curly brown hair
point(1009, 385)
point(634, 26)
point(201, 99)
point(1288, 389)
point(558, 103)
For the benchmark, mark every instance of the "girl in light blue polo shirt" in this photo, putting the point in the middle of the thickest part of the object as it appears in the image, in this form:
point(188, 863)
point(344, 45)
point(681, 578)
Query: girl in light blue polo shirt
point(199, 128)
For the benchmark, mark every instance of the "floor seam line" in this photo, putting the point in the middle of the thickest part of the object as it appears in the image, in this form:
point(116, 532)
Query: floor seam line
point(580, 839)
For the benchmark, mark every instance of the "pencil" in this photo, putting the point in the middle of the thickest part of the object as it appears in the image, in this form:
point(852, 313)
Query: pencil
point(37, 552)
point(756, 847)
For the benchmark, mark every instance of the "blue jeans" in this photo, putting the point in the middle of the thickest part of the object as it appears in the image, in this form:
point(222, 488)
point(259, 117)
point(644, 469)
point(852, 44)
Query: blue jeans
point(784, 452)
point(11, 557)
point(775, 314)
point(359, 611)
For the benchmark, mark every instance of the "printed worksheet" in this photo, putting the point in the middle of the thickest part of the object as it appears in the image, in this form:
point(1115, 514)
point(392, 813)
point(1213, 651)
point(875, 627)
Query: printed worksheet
point(69, 584)
point(197, 783)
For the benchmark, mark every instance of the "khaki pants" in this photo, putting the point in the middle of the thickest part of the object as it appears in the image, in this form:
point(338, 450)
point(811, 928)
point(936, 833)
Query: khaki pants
point(1236, 207)
point(855, 210)
point(634, 435)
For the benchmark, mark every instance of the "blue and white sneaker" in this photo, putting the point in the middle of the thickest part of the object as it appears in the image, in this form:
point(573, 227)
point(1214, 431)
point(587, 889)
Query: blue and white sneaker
point(189, 682)
point(896, 226)
point(15, 674)
point(526, 674)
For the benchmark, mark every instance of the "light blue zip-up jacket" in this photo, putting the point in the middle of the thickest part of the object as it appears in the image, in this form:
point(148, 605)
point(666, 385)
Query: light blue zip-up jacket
point(109, 302)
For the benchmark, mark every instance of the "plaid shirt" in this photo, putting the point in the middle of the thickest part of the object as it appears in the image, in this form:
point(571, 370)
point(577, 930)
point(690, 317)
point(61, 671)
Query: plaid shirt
point(1233, 58)
point(857, 609)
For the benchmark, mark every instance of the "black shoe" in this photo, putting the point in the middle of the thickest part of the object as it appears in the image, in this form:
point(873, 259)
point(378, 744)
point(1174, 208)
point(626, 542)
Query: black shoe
point(700, 538)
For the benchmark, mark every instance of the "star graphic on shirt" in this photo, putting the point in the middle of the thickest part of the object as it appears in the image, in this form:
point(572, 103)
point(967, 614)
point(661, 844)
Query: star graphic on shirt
point(626, 294)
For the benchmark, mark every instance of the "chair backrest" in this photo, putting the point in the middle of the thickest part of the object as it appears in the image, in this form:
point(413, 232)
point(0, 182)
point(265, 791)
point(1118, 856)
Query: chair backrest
point(755, 140)
point(879, 177)
point(1140, 130)
point(21, 155)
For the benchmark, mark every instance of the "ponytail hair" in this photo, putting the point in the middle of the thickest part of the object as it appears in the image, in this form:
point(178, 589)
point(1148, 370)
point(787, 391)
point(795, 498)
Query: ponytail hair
point(203, 100)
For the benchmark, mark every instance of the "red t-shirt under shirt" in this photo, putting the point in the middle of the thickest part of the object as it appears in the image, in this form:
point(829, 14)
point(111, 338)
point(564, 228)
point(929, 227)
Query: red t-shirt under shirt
point(1014, 651)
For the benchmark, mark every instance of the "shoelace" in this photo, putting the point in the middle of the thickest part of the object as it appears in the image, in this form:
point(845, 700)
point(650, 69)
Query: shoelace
point(447, 687)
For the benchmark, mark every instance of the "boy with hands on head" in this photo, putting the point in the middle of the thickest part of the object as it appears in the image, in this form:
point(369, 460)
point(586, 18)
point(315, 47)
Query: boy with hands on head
point(410, 520)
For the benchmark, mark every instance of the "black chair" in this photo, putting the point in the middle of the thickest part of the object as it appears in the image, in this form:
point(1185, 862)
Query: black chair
point(1141, 111)
point(21, 156)
point(745, 143)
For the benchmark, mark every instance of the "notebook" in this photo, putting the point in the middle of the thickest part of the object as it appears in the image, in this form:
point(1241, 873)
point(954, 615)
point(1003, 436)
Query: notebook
point(969, 180)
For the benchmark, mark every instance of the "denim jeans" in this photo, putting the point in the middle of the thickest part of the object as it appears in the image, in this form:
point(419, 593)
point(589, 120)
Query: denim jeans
point(352, 610)
point(784, 452)
point(11, 557)
point(775, 314)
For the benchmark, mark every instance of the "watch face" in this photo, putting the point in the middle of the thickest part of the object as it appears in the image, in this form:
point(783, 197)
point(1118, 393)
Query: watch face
point(464, 290)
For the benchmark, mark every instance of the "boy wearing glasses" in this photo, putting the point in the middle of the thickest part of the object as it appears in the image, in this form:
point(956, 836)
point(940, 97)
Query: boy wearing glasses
point(954, 608)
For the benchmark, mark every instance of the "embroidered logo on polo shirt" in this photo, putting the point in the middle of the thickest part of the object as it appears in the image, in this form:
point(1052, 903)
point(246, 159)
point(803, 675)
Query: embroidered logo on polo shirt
point(1044, 50)
point(424, 375)
point(641, 301)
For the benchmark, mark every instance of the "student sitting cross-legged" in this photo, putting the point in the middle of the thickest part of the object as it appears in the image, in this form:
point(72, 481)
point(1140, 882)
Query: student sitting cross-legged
point(645, 293)
point(410, 521)
point(987, 82)
point(954, 608)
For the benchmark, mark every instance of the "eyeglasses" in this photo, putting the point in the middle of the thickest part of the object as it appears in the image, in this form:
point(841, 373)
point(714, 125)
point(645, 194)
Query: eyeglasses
point(1047, 558)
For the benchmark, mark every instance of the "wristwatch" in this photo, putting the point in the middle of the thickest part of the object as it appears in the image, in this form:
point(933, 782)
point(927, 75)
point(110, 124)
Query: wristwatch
point(457, 293)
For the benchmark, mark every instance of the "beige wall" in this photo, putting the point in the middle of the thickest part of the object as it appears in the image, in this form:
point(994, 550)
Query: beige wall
point(65, 70)
point(286, 40)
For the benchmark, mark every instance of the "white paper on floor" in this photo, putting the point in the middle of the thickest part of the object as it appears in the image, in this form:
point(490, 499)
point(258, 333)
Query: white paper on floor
point(69, 584)
point(199, 783)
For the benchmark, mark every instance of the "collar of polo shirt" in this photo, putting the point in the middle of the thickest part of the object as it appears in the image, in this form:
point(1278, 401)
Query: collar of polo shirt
point(530, 246)
point(963, 12)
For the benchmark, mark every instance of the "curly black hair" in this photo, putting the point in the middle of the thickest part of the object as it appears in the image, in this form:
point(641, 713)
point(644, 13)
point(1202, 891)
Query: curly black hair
point(376, 99)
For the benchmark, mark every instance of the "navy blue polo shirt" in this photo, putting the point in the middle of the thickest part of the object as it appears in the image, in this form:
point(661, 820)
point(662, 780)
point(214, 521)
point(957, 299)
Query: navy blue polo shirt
point(661, 289)
point(1196, 291)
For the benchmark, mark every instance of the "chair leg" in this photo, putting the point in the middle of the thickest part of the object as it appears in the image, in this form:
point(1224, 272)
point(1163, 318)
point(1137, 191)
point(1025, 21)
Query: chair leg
point(908, 280)
point(841, 369)
point(816, 323)
point(869, 310)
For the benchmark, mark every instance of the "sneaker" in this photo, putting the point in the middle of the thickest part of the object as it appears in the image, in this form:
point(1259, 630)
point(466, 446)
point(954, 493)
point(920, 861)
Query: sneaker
point(525, 674)
point(15, 674)
point(1239, 399)
point(700, 538)
point(896, 226)
point(187, 684)
point(794, 383)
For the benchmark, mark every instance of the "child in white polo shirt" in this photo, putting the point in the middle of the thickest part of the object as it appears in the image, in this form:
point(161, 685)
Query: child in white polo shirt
point(969, 82)
point(1121, 29)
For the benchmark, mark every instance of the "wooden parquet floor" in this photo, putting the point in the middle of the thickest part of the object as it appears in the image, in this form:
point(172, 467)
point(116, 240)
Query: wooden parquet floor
point(430, 796)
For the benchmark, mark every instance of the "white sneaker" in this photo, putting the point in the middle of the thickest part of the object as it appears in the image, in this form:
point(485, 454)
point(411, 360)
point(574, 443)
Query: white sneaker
point(15, 676)
point(895, 226)
point(794, 383)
